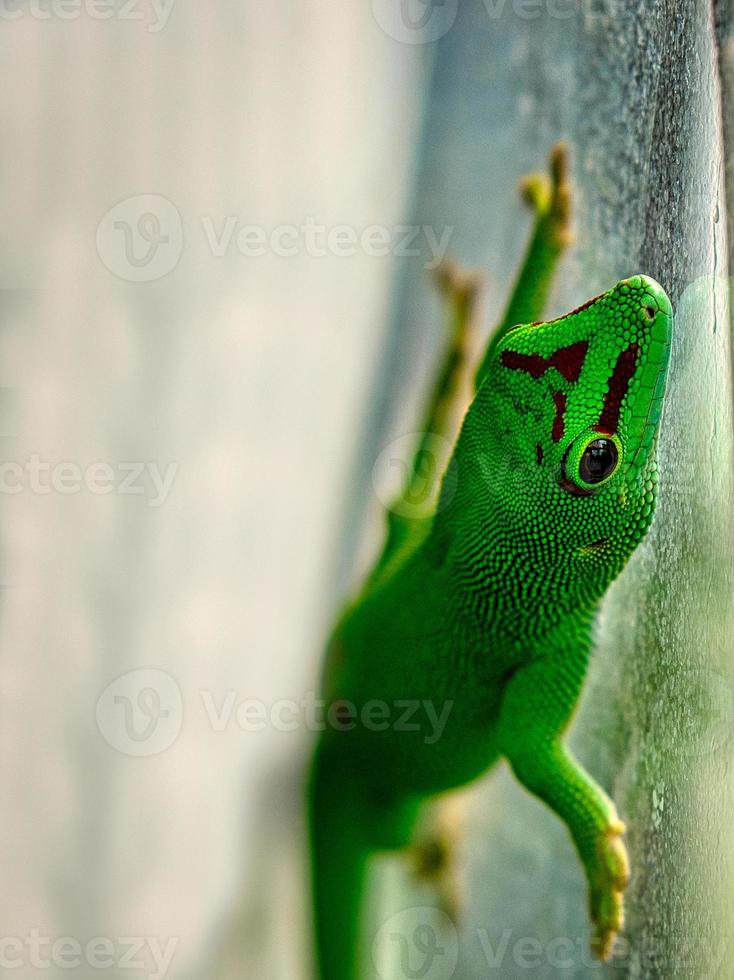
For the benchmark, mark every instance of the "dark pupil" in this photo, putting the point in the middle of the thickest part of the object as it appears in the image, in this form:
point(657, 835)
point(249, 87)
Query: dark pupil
point(598, 461)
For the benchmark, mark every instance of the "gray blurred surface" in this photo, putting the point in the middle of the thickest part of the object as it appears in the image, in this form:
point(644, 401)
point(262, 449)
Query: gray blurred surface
point(247, 374)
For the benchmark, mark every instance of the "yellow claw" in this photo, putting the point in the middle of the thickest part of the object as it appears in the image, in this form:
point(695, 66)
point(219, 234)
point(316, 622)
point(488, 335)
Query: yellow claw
point(535, 191)
point(607, 889)
point(560, 204)
point(550, 197)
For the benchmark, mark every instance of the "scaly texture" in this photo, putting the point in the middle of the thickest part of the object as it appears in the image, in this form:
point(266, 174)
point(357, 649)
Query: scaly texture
point(485, 623)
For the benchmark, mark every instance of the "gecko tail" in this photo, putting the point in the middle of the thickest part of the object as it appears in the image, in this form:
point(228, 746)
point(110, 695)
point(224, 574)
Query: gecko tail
point(340, 851)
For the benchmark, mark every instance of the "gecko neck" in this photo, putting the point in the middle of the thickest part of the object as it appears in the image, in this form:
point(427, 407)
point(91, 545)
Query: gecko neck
point(502, 580)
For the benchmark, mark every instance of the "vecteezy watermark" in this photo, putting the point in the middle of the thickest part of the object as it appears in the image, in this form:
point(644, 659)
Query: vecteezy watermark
point(153, 13)
point(38, 476)
point(694, 956)
point(529, 953)
point(415, 21)
point(148, 955)
point(314, 714)
point(141, 712)
point(317, 240)
point(141, 239)
point(425, 21)
point(408, 472)
point(422, 944)
point(416, 944)
point(533, 9)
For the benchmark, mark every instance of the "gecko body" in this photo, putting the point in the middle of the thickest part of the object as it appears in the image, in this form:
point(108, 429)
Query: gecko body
point(479, 613)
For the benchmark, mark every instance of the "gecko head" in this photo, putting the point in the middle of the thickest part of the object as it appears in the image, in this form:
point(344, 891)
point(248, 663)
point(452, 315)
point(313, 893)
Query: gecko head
point(575, 404)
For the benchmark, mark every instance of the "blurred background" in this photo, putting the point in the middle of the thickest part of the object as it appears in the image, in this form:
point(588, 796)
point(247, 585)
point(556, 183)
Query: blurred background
point(217, 319)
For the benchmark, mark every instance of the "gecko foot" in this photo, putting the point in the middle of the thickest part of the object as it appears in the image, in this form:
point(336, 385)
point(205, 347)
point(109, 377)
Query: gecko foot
point(550, 196)
point(457, 285)
point(608, 879)
point(433, 862)
point(434, 856)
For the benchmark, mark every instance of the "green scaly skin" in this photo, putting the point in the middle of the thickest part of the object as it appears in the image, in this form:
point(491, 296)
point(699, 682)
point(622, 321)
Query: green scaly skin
point(489, 611)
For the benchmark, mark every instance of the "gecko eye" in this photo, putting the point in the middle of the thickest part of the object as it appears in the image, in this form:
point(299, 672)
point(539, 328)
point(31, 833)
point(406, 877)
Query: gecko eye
point(598, 461)
point(590, 461)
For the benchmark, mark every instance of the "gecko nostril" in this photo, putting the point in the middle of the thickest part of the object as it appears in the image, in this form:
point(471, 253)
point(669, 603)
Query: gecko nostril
point(649, 312)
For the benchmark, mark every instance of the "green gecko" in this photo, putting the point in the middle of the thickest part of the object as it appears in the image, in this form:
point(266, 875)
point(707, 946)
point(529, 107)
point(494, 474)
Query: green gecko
point(482, 602)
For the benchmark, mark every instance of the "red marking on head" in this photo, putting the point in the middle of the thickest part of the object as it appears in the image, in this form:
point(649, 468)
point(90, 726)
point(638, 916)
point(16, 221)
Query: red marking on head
point(559, 400)
point(532, 364)
point(568, 361)
point(619, 384)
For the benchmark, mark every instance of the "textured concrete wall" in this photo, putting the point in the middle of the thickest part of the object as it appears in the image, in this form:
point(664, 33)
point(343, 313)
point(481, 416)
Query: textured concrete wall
point(635, 89)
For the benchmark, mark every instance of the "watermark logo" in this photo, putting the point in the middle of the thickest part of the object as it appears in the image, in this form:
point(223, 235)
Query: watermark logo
point(408, 472)
point(140, 239)
point(141, 713)
point(424, 21)
point(313, 714)
point(153, 14)
point(35, 475)
point(149, 956)
point(415, 21)
point(231, 235)
point(416, 944)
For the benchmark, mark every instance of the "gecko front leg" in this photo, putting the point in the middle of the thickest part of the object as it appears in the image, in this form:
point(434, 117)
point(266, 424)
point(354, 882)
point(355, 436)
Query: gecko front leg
point(536, 708)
